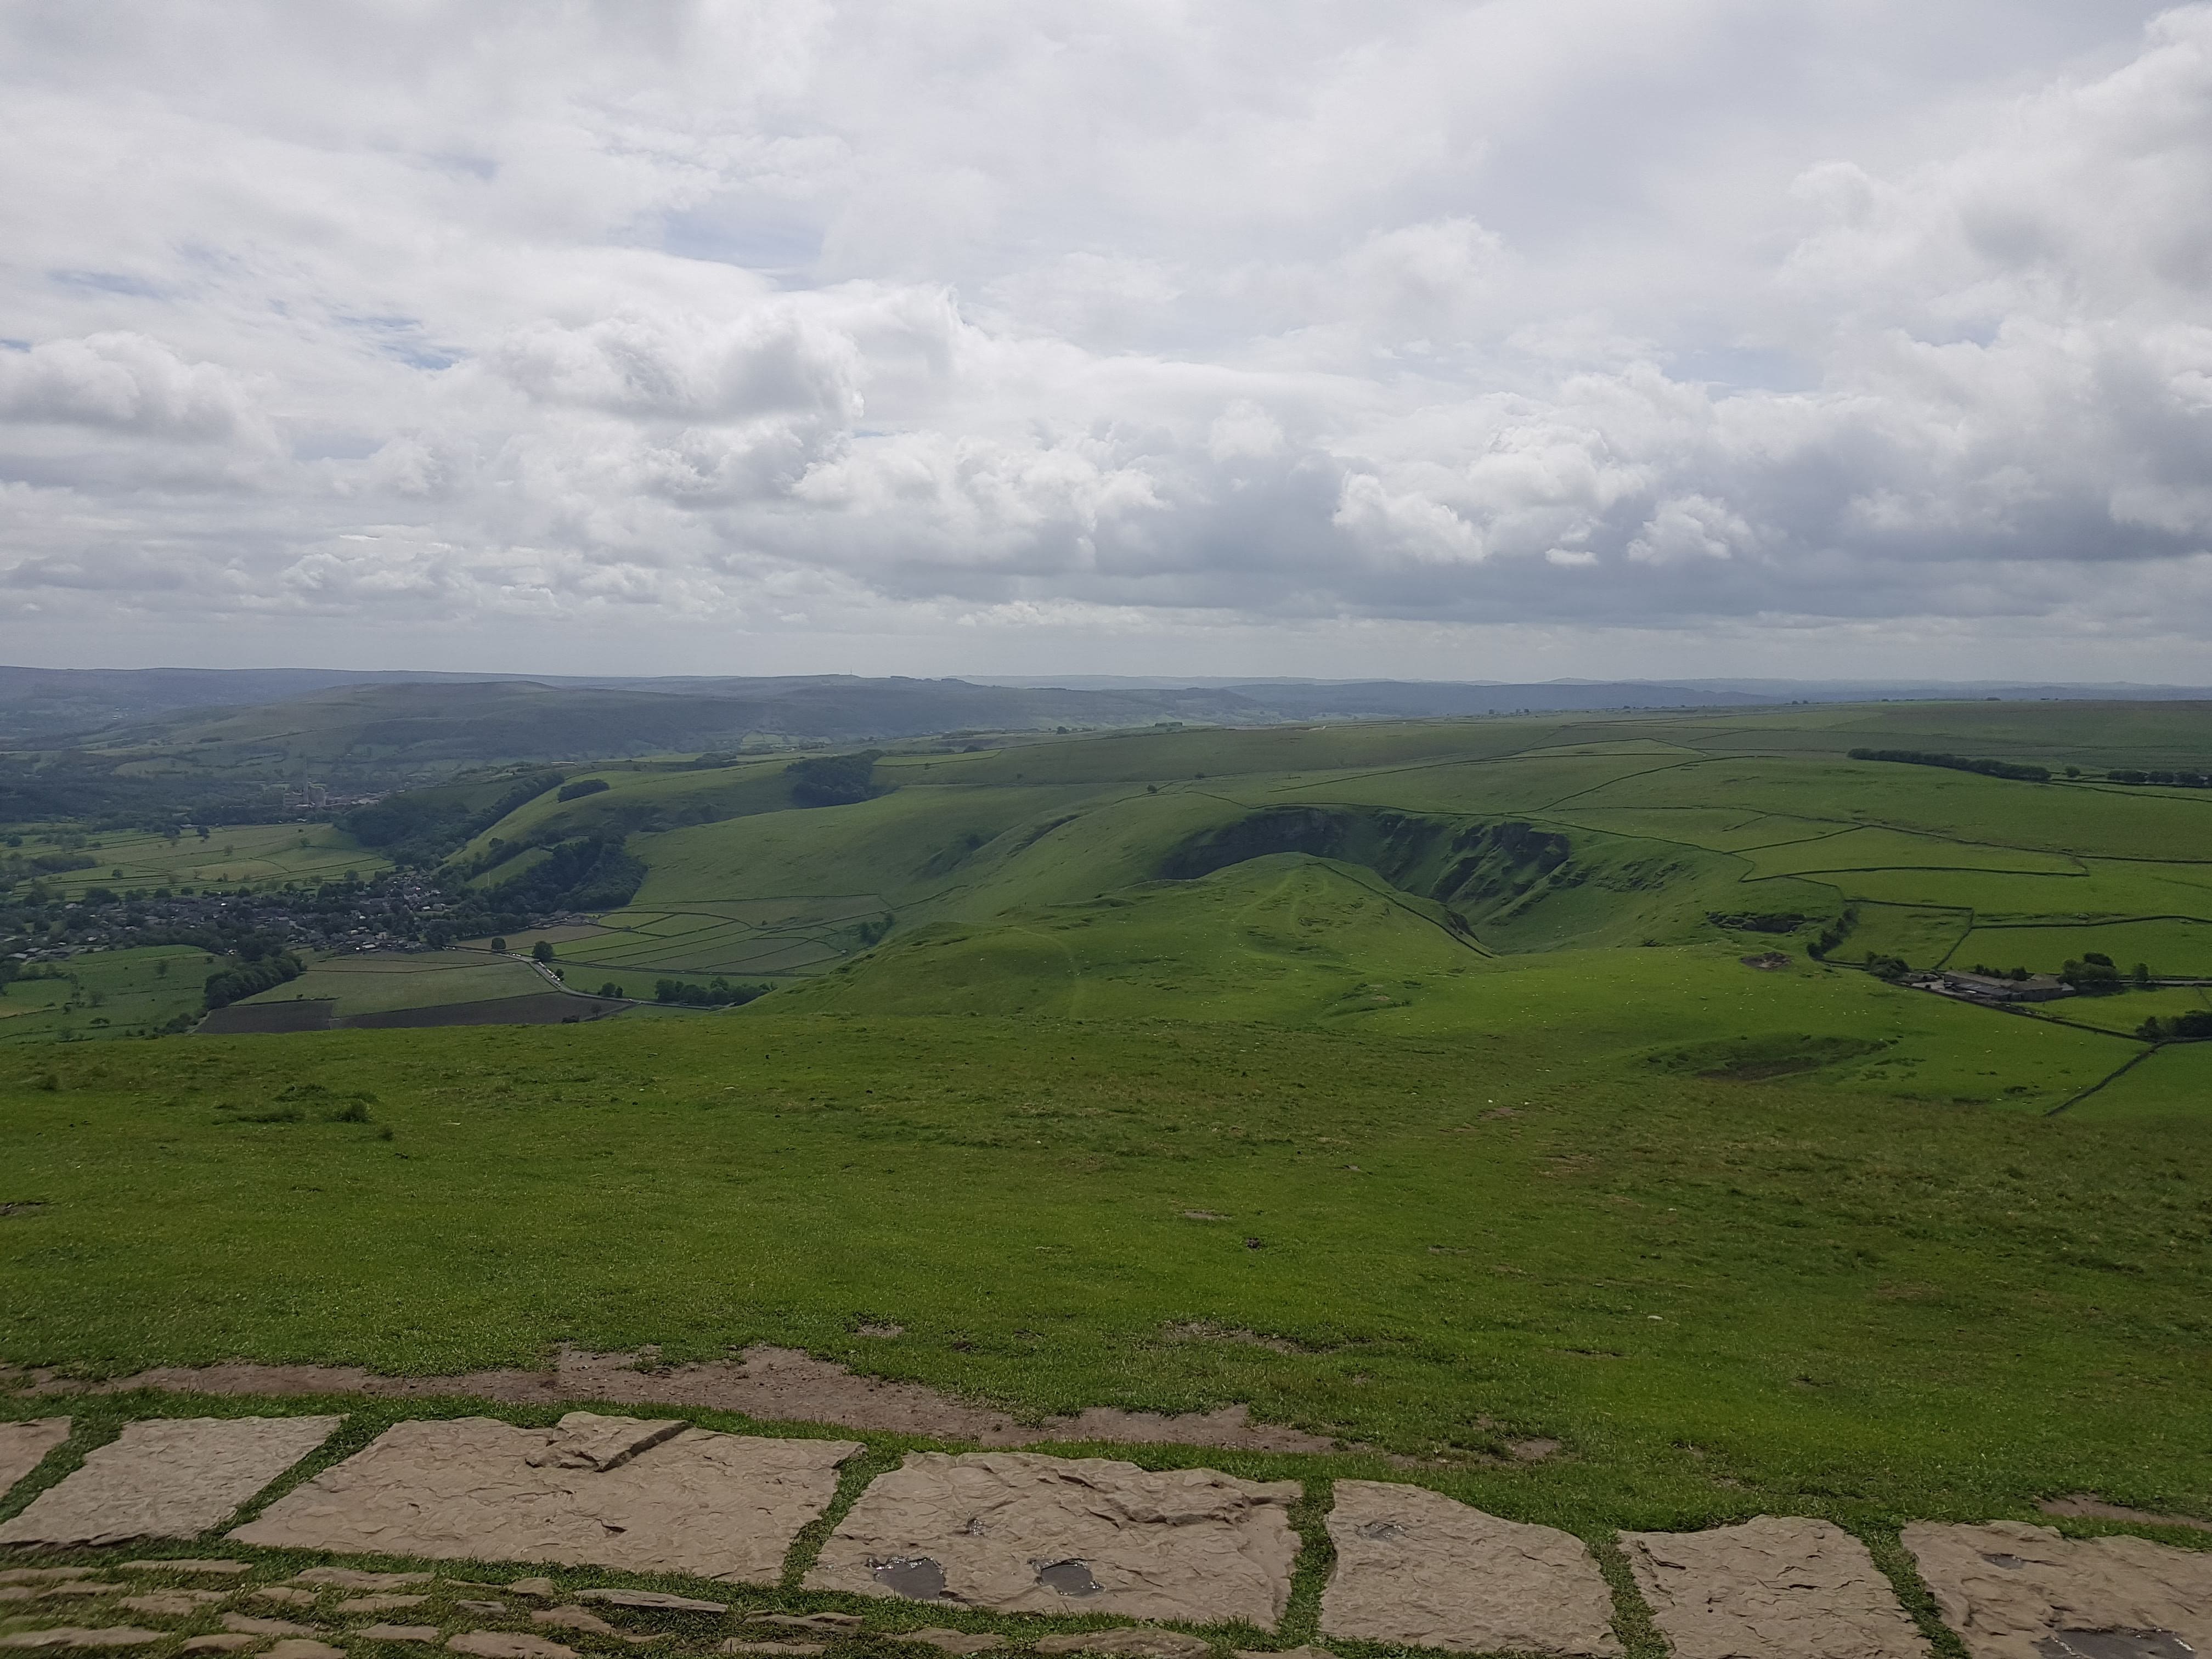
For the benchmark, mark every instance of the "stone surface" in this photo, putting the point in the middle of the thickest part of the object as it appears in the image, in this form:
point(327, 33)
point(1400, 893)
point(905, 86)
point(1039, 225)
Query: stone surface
point(1130, 1643)
point(83, 1587)
point(167, 1477)
point(955, 1641)
point(1788, 1588)
point(398, 1633)
point(533, 1586)
point(659, 1600)
point(1307, 1652)
point(586, 1440)
point(2014, 1591)
point(301, 1647)
point(70, 1636)
point(832, 1624)
point(484, 1609)
point(573, 1618)
point(223, 1642)
point(1416, 1567)
point(746, 1644)
point(283, 1596)
point(24, 1446)
point(711, 1505)
point(244, 1624)
point(503, 1644)
point(1015, 1532)
point(188, 1564)
point(379, 1603)
point(50, 1575)
point(171, 1604)
point(348, 1579)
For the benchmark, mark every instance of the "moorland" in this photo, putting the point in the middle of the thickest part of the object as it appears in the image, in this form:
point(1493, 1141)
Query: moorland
point(1441, 1086)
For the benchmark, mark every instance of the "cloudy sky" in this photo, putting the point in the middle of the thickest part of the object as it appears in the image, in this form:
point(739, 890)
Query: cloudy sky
point(1489, 339)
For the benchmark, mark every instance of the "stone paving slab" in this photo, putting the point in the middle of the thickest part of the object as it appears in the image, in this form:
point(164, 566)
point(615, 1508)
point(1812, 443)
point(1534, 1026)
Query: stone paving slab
point(1781, 1587)
point(167, 1477)
point(71, 1636)
point(24, 1446)
point(712, 1505)
point(2014, 1591)
point(1416, 1567)
point(1018, 1532)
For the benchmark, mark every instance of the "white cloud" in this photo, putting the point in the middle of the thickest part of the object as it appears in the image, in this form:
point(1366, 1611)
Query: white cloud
point(977, 323)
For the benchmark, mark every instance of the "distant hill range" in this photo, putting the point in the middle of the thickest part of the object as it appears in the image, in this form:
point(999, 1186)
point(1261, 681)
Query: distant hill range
point(361, 721)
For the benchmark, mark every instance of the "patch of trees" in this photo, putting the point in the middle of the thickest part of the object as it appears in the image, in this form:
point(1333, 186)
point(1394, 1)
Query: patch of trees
point(419, 827)
point(834, 780)
point(583, 787)
point(229, 985)
point(2014, 770)
point(2196, 1026)
point(717, 993)
point(1834, 934)
point(589, 872)
point(2094, 973)
point(2173, 780)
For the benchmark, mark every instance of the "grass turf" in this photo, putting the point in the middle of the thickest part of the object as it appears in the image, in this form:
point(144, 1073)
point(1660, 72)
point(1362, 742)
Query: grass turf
point(1689, 1280)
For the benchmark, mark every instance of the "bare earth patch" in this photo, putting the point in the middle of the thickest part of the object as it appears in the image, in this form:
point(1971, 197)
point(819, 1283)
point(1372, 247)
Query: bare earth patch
point(1013, 1532)
point(595, 1490)
point(1416, 1567)
point(771, 1384)
point(167, 1477)
point(2014, 1591)
point(2088, 1506)
point(1788, 1588)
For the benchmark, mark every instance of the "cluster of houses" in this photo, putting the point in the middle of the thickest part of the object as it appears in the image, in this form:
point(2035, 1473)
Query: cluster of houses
point(1994, 990)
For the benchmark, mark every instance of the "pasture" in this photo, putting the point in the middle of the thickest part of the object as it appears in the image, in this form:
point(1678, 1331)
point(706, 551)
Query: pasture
point(1428, 1084)
point(240, 855)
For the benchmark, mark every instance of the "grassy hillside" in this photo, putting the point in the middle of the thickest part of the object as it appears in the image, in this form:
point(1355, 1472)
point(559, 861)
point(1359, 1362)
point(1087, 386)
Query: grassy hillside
point(1728, 1273)
point(1426, 1083)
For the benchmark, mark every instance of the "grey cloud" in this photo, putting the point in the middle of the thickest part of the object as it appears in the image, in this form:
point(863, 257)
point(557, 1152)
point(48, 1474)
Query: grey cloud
point(1037, 315)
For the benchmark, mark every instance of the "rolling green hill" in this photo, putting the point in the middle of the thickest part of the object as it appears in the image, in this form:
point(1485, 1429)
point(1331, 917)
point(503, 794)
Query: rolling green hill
point(1422, 1083)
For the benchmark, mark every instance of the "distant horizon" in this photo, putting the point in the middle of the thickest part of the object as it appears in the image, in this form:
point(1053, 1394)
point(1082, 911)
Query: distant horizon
point(1466, 343)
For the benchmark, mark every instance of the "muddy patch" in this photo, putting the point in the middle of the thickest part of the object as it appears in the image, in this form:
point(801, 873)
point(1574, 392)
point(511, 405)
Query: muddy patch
point(2088, 1506)
point(769, 1384)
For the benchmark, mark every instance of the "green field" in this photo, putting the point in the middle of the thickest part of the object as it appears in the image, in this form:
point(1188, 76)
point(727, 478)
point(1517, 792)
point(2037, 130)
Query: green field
point(1533, 1066)
point(240, 855)
point(106, 994)
point(378, 982)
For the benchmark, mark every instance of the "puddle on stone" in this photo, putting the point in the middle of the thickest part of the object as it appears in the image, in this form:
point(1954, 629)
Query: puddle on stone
point(1383, 1529)
point(2115, 1644)
point(2004, 1560)
point(1068, 1577)
point(915, 1577)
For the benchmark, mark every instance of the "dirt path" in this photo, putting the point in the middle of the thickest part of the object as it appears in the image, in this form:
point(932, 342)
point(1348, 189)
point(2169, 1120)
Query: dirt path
point(767, 1383)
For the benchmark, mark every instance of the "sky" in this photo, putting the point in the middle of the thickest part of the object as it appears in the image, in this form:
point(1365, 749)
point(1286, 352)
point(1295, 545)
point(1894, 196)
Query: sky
point(1497, 339)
